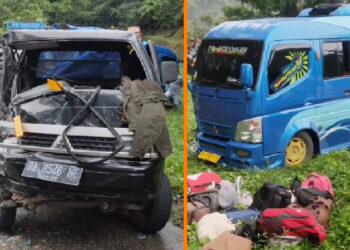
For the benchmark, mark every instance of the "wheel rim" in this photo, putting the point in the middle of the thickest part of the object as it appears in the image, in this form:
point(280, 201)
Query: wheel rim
point(296, 152)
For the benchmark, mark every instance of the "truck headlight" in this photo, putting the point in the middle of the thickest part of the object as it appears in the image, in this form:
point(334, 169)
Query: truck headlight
point(249, 130)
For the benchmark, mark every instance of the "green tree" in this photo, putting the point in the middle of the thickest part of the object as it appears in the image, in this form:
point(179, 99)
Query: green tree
point(76, 12)
point(162, 13)
point(58, 11)
point(149, 14)
point(21, 10)
point(238, 13)
point(288, 8)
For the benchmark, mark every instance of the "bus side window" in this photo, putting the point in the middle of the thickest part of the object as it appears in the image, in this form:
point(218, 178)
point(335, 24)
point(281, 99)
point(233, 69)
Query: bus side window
point(287, 65)
point(336, 59)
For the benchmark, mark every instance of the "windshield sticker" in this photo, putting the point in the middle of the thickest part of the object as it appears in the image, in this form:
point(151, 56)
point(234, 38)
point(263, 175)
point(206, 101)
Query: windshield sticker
point(293, 71)
point(227, 50)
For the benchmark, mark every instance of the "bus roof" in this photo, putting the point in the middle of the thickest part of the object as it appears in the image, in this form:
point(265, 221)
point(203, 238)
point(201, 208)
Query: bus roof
point(273, 29)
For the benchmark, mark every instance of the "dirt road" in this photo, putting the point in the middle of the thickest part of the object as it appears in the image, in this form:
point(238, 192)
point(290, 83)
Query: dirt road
point(84, 229)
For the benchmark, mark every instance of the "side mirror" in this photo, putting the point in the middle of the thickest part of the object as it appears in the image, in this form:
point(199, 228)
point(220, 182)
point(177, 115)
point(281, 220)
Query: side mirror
point(247, 75)
point(169, 71)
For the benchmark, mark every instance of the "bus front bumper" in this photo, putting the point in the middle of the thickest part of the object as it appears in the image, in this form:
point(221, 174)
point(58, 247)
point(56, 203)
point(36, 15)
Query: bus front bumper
point(239, 154)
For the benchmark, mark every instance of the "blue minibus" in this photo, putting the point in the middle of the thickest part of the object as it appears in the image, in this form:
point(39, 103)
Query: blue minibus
point(274, 92)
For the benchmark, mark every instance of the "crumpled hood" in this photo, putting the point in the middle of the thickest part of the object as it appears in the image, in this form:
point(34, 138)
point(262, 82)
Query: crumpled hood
point(61, 109)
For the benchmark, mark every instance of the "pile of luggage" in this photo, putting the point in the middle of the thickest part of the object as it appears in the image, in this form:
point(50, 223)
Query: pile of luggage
point(283, 216)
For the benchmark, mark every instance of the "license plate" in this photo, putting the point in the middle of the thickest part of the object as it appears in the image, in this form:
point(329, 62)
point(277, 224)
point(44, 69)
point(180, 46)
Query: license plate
point(206, 156)
point(46, 171)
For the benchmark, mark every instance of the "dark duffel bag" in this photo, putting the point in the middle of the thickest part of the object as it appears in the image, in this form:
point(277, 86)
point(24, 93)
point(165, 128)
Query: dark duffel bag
point(306, 196)
point(271, 195)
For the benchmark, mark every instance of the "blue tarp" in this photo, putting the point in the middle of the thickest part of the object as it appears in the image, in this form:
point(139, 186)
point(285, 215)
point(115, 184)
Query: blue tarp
point(161, 50)
point(80, 65)
point(71, 27)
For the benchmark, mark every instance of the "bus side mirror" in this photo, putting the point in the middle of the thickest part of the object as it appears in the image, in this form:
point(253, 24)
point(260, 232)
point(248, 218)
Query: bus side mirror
point(247, 75)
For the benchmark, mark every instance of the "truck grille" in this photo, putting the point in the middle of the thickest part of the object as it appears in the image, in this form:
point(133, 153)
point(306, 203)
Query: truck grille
point(77, 142)
point(93, 143)
point(40, 140)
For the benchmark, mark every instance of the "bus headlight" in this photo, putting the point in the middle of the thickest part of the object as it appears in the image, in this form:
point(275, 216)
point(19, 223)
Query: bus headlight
point(249, 130)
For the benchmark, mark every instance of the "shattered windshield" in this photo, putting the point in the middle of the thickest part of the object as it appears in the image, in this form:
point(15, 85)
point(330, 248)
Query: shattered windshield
point(83, 69)
point(61, 109)
point(219, 61)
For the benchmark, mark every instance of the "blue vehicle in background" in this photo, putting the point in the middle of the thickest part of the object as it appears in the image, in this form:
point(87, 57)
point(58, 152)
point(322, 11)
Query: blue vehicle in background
point(274, 92)
point(24, 25)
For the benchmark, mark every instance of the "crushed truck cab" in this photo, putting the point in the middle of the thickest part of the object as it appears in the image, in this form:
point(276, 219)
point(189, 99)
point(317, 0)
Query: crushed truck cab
point(274, 92)
point(74, 95)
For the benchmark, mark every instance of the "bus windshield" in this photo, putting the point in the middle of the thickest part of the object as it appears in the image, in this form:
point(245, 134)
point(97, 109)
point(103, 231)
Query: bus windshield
point(219, 62)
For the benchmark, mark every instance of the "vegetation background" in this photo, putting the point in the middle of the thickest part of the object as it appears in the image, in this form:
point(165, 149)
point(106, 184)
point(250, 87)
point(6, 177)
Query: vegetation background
point(202, 16)
point(162, 19)
point(205, 14)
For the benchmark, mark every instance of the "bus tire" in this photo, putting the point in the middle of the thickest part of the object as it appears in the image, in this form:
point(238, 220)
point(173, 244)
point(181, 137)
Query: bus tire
point(300, 149)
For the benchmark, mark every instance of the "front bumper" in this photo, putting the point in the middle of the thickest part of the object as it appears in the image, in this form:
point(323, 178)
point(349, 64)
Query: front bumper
point(232, 152)
point(115, 180)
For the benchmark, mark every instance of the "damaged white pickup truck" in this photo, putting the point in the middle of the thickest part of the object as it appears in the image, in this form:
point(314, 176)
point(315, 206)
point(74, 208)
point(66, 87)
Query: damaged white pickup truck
point(82, 124)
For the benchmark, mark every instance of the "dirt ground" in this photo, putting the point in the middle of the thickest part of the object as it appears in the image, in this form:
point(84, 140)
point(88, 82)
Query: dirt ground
point(85, 229)
point(177, 213)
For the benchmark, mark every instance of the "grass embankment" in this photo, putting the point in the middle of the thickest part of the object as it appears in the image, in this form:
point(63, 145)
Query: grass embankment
point(168, 38)
point(335, 165)
point(174, 163)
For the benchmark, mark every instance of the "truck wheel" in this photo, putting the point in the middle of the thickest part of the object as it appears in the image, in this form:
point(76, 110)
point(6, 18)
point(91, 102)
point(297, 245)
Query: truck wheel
point(299, 149)
point(157, 212)
point(7, 218)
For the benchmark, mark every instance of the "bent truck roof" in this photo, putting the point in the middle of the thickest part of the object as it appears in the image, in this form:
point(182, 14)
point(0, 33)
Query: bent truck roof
point(26, 39)
point(273, 29)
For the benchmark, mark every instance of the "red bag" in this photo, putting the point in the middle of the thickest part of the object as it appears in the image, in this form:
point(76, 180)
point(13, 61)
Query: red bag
point(202, 182)
point(319, 182)
point(292, 222)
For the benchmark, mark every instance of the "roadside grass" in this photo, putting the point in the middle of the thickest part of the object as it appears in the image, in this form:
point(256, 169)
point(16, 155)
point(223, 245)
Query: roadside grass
point(174, 163)
point(168, 38)
point(335, 165)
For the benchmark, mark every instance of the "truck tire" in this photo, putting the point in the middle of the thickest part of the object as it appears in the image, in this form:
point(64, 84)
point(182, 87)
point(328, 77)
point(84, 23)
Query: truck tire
point(157, 212)
point(7, 218)
point(299, 150)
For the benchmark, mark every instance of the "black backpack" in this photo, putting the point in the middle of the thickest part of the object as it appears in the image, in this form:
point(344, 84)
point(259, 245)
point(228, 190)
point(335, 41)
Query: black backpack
point(271, 195)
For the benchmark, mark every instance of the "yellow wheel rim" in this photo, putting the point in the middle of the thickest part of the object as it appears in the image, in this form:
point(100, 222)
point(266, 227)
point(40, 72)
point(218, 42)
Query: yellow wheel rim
point(296, 152)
